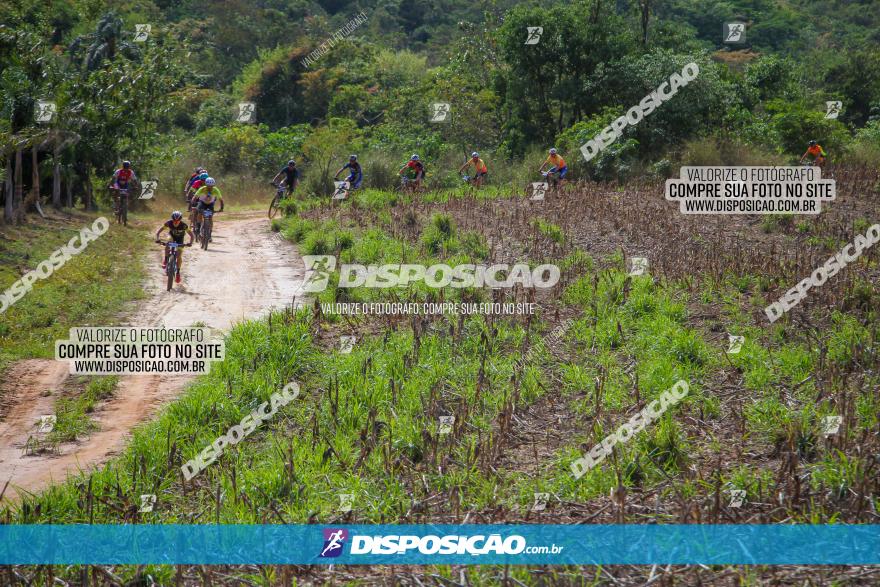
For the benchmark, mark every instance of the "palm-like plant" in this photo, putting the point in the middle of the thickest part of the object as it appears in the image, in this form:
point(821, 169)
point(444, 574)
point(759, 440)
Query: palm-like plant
point(103, 44)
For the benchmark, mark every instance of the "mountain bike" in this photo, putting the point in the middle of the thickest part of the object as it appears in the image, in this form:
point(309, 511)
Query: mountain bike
point(206, 228)
point(552, 177)
point(409, 185)
point(120, 205)
point(193, 213)
point(275, 204)
point(342, 191)
point(171, 265)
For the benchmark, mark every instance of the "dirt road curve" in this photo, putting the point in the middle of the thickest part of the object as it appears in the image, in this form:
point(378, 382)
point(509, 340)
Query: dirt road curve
point(246, 271)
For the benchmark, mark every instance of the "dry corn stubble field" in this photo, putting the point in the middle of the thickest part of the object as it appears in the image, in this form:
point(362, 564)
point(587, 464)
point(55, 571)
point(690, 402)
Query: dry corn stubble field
point(723, 270)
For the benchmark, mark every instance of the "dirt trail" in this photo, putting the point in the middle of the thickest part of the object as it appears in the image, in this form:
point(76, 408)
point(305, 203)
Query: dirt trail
point(246, 271)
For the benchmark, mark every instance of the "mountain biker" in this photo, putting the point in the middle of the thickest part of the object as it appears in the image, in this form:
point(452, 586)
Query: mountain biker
point(189, 182)
point(356, 173)
point(122, 180)
point(123, 177)
point(417, 168)
point(818, 153)
point(556, 162)
point(206, 197)
point(191, 194)
point(480, 169)
point(291, 176)
point(176, 229)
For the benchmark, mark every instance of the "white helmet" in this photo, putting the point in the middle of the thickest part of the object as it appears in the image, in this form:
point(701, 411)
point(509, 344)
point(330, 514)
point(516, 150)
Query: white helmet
point(475, 154)
point(210, 181)
point(414, 158)
point(553, 150)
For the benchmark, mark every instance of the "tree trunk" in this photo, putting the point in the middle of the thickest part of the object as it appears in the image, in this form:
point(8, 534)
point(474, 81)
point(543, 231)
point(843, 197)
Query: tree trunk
point(7, 208)
point(87, 187)
point(56, 177)
point(597, 7)
point(34, 195)
point(18, 195)
point(646, 15)
point(68, 185)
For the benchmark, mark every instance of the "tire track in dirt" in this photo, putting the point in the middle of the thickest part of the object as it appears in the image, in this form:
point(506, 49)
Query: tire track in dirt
point(246, 271)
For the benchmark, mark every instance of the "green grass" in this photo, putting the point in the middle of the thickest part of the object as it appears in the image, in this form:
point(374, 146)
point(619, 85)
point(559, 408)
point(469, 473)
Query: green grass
point(91, 288)
point(73, 413)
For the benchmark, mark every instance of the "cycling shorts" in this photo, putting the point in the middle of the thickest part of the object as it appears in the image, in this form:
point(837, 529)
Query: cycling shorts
point(354, 181)
point(562, 171)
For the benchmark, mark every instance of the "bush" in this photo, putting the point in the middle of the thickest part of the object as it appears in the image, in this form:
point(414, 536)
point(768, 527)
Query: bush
point(235, 148)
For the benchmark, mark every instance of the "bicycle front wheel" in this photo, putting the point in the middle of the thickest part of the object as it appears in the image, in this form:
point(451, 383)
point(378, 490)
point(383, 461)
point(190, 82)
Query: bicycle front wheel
point(274, 206)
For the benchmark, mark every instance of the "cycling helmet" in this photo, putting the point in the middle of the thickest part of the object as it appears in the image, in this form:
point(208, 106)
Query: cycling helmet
point(553, 151)
point(353, 158)
point(176, 215)
point(126, 164)
point(203, 176)
point(475, 154)
point(812, 143)
point(292, 162)
point(210, 181)
point(414, 158)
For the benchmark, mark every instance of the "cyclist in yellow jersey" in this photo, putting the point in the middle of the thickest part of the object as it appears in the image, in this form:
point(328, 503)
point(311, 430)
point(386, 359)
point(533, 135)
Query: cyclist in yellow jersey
point(480, 169)
point(205, 198)
point(557, 164)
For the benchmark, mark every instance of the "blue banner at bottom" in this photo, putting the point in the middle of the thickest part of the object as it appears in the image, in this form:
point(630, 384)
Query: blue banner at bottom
point(529, 544)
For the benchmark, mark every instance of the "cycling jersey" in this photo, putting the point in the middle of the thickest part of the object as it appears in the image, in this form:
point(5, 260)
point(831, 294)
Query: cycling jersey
point(205, 199)
point(177, 232)
point(479, 166)
point(816, 150)
point(122, 176)
point(355, 168)
point(192, 180)
point(556, 161)
point(417, 167)
point(356, 174)
point(290, 175)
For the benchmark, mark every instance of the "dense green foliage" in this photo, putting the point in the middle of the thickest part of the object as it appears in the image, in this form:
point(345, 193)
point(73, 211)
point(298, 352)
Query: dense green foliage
point(177, 92)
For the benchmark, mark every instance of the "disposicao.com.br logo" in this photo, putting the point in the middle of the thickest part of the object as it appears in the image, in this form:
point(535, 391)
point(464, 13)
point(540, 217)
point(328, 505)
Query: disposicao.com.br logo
point(319, 267)
point(431, 544)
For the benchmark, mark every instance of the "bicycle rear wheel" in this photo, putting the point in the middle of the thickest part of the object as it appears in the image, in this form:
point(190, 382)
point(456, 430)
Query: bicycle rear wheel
point(124, 206)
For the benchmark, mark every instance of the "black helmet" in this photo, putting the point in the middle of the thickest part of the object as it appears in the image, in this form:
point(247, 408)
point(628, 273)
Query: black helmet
point(292, 162)
point(812, 143)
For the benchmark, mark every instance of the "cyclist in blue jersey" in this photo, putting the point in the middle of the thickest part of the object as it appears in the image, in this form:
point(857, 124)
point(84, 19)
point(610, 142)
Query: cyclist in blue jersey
point(355, 174)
